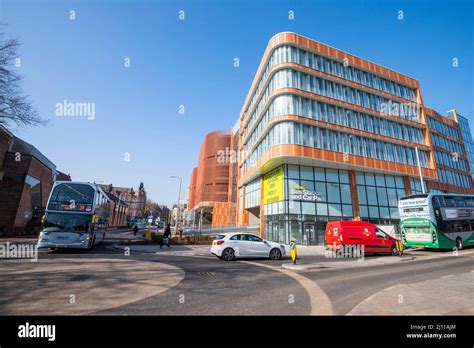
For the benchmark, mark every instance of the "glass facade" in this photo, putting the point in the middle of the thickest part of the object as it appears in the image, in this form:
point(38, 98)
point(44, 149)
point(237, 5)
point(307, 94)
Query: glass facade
point(327, 139)
point(313, 196)
point(468, 141)
point(287, 77)
point(252, 194)
point(378, 197)
point(333, 67)
point(289, 104)
point(443, 128)
point(341, 117)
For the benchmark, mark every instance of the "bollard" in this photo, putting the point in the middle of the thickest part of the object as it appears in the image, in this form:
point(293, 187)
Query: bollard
point(293, 252)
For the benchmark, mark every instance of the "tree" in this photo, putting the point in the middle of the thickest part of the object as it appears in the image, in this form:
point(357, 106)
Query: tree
point(150, 205)
point(15, 106)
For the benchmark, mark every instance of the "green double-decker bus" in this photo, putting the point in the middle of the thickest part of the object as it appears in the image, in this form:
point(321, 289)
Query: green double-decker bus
point(437, 220)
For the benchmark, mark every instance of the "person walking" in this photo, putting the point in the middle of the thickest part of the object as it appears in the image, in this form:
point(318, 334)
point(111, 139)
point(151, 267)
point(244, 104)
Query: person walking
point(135, 230)
point(166, 236)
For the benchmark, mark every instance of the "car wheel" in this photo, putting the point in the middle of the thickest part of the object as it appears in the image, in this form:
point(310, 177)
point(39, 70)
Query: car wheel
point(459, 243)
point(393, 250)
point(228, 254)
point(275, 254)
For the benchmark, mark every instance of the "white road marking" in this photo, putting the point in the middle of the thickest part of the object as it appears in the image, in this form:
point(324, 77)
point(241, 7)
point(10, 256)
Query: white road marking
point(320, 302)
point(447, 276)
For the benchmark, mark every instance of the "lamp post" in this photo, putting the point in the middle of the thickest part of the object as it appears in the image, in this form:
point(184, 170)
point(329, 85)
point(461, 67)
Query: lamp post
point(420, 172)
point(179, 199)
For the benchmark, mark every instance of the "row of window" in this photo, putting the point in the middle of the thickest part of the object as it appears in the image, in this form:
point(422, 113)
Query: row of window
point(443, 128)
point(380, 180)
point(286, 78)
point(447, 144)
point(317, 174)
point(450, 161)
point(330, 66)
point(415, 186)
point(295, 105)
point(252, 194)
point(296, 55)
point(383, 213)
point(378, 195)
point(382, 196)
point(453, 178)
point(468, 141)
point(322, 138)
point(309, 208)
point(453, 201)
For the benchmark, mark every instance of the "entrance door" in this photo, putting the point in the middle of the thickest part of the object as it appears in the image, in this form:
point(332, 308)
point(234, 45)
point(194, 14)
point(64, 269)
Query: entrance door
point(309, 233)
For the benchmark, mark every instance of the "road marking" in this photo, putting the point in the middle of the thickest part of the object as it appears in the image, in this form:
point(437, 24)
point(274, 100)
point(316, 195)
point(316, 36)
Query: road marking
point(447, 276)
point(320, 302)
point(389, 288)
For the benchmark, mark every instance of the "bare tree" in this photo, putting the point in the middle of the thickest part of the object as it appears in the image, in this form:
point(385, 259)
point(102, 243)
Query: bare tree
point(15, 106)
point(150, 205)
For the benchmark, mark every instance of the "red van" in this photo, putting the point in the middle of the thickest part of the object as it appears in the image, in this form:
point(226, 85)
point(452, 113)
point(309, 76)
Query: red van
point(373, 239)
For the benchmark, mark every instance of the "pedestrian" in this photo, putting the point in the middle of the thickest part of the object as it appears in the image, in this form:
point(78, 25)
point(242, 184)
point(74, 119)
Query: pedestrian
point(135, 230)
point(166, 236)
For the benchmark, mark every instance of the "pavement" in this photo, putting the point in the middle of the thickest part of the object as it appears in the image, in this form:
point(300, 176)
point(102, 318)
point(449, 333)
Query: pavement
point(178, 250)
point(447, 295)
point(79, 286)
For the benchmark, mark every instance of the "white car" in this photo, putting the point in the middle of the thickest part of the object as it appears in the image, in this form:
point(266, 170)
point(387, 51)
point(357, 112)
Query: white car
point(233, 245)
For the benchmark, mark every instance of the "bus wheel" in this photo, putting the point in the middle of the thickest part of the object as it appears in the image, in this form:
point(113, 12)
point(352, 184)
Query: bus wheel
point(393, 250)
point(92, 244)
point(459, 243)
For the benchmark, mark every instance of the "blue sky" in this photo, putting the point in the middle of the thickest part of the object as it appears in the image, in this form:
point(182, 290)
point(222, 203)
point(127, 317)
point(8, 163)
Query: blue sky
point(190, 63)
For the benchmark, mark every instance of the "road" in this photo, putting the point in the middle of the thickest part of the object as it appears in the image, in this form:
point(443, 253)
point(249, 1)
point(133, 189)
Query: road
point(163, 284)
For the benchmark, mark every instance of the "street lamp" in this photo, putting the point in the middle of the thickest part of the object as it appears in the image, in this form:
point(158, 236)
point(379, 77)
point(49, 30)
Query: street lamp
point(179, 198)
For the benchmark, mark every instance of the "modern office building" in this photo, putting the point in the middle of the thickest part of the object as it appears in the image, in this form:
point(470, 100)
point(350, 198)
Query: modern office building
point(327, 136)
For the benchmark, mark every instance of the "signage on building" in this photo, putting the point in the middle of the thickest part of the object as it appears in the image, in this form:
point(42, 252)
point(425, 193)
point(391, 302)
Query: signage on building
point(301, 193)
point(273, 186)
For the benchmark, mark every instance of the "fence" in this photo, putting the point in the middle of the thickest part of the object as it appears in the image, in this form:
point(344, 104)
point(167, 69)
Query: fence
point(218, 230)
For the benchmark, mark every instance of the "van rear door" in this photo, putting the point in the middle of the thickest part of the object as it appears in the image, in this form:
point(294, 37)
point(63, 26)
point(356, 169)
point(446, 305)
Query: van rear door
point(332, 234)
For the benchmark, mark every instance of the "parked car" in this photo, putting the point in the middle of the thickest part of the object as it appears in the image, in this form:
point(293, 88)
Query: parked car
point(374, 240)
point(236, 245)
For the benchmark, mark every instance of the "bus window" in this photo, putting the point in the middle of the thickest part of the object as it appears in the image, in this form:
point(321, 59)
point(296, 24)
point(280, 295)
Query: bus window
point(458, 226)
point(459, 202)
point(450, 202)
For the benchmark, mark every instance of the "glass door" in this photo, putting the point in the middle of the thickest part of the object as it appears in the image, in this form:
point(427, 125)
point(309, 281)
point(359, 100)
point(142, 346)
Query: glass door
point(309, 235)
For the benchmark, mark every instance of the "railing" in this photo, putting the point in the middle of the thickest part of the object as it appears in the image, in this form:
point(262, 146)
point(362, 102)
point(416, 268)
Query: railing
point(209, 231)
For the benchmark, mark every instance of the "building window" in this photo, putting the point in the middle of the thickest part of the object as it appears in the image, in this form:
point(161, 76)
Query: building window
point(378, 197)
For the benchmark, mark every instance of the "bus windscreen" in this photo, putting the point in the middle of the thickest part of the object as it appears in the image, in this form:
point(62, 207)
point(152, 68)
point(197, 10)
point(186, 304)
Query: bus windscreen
point(73, 197)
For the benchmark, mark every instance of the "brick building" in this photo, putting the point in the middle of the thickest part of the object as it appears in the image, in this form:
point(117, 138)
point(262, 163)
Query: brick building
point(134, 199)
point(26, 179)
